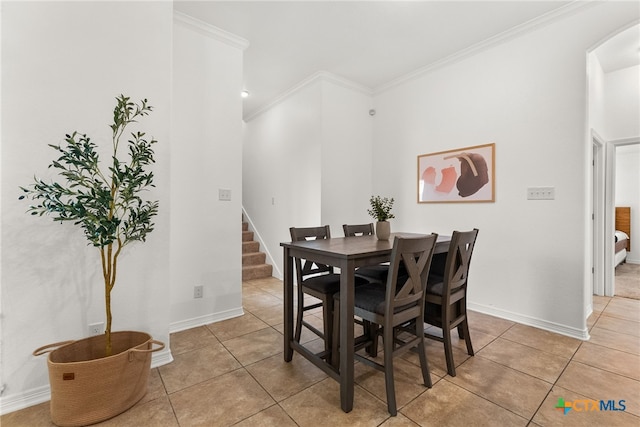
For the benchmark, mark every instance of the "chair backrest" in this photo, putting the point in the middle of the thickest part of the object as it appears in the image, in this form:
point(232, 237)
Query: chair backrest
point(351, 230)
point(456, 270)
point(309, 268)
point(405, 298)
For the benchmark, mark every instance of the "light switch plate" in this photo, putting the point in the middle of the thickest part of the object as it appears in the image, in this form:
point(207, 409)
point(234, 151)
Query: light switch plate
point(541, 193)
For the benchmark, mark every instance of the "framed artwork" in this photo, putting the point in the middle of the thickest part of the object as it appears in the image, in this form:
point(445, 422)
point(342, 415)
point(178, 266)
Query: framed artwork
point(462, 175)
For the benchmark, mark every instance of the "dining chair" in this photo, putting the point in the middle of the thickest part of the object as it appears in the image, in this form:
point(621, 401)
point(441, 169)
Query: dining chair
point(400, 302)
point(446, 296)
point(319, 281)
point(372, 273)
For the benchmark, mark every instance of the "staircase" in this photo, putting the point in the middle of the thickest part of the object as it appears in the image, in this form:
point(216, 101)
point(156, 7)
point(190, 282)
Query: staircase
point(253, 261)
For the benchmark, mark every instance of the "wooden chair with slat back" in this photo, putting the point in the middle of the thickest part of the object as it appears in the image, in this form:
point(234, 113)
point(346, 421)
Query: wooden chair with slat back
point(446, 297)
point(400, 302)
point(319, 281)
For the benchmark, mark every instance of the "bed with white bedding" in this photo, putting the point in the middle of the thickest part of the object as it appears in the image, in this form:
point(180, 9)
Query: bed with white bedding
point(621, 235)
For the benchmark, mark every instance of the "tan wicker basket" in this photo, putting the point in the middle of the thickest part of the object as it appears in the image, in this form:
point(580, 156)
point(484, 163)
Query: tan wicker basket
point(87, 387)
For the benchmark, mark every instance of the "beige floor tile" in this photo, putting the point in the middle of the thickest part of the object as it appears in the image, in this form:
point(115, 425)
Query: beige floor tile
point(529, 360)
point(591, 320)
point(540, 339)
point(479, 339)
point(191, 339)
point(600, 302)
point(619, 362)
point(319, 405)
point(447, 404)
point(221, 401)
point(271, 285)
point(197, 366)
point(33, 416)
point(238, 326)
point(519, 392)
point(615, 340)
point(598, 384)
point(437, 359)
point(624, 308)
point(550, 415)
point(273, 416)
point(273, 315)
point(284, 379)
point(399, 421)
point(262, 300)
point(305, 336)
point(156, 387)
point(407, 380)
point(255, 346)
point(622, 326)
point(157, 413)
point(489, 325)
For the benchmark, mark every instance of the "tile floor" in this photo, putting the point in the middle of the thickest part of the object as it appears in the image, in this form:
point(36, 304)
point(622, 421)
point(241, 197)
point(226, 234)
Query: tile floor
point(233, 373)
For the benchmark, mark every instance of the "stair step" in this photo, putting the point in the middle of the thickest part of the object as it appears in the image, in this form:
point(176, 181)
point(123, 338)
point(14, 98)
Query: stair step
point(256, 271)
point(247, 236)
point(245, 226)
point(248, 247)
point(254, 258)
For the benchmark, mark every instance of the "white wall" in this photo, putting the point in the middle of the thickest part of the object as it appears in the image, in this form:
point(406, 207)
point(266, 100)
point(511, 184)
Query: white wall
point(622, 103)
point(206, 155)
point(63, 64)
point(346, 153)
point(307, 162)
point(628, 192)
point(527, 95)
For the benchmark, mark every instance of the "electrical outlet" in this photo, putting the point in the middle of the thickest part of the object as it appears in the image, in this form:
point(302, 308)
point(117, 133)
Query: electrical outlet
point(96, 328)
point(197, 291)
point(224, 194)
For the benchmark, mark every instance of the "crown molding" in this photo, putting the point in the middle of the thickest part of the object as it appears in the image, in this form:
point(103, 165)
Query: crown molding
point(210, 31)
point(483, 45)
point(320, 76)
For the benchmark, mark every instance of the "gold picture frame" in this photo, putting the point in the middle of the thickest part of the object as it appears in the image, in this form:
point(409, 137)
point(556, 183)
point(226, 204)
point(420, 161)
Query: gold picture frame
point(463, 175)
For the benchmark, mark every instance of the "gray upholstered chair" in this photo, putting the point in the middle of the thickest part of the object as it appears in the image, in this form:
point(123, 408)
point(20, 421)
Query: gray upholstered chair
point(400, 302)
point(446, 297)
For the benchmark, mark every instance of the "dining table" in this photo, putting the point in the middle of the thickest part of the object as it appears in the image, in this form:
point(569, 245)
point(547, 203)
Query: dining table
point(347, 254)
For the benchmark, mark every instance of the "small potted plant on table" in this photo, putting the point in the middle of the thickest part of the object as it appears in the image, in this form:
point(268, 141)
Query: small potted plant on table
point(99, 377)
point(381, 211)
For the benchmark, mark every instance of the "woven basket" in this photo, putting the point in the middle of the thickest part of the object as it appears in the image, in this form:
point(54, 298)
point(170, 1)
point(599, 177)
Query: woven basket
point(87, 387)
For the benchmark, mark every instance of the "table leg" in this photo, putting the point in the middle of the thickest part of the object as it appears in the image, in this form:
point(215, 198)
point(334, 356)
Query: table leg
point(288, 305)
point(346, 335)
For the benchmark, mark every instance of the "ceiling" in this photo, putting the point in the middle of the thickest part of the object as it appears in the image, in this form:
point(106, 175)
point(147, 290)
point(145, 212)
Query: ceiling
point(371, 43)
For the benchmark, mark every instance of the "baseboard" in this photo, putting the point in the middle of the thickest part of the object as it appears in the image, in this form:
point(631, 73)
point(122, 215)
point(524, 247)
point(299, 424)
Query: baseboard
point(15, 402)
point(531, 321)
point(205, 320)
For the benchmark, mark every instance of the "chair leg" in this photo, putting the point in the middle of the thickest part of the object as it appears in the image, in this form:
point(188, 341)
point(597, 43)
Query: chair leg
point(327, 318)
point(464, 328)
point(422, 355)
point(335, 341)
point(372, 349)
point(448, 352)
point(388, 370)
point(298, 330)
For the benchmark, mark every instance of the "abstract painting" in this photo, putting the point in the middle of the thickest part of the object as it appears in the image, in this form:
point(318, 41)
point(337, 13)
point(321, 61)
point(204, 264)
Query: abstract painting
point(462, 175)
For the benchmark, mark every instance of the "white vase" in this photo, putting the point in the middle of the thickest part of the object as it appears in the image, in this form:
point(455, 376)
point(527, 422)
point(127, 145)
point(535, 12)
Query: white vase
point(383, 230)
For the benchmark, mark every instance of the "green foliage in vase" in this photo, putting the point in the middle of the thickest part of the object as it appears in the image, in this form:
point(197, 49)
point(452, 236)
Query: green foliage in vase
point(380, 208)
point(106, 204)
